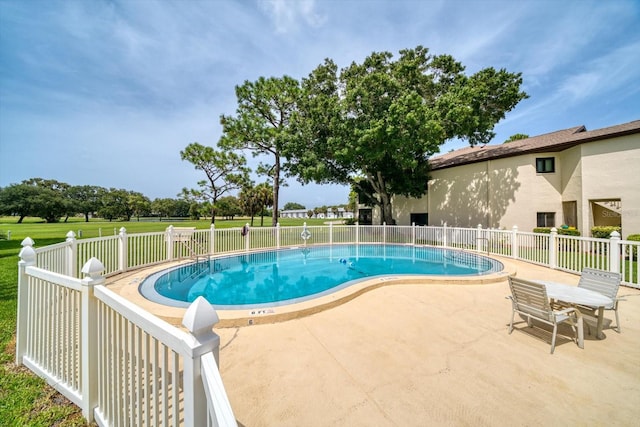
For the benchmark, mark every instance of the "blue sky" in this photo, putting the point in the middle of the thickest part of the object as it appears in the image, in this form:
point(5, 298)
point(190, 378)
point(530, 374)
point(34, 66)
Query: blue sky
point(108, 92)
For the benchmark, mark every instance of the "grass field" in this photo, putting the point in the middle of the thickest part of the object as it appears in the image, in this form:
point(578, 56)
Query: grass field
point(25, 399)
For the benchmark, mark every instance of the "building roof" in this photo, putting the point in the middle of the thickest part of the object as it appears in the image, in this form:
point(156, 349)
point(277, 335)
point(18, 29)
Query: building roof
point(548, 142)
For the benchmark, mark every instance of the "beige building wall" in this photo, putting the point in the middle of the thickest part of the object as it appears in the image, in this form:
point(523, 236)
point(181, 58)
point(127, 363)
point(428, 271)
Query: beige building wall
point(610, 170)
point(459, 196)
point(497, 193)
point(501, 193)
point(530, 192)
point(403, 207)
point(571, 181)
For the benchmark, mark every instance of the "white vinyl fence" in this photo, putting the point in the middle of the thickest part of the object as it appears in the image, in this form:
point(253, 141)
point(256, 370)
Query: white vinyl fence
point(124, 366)
point(121, 365)
point(125, 252)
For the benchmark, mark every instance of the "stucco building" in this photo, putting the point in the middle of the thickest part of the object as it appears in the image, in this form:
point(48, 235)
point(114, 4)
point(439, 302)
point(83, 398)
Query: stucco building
point(574, 176)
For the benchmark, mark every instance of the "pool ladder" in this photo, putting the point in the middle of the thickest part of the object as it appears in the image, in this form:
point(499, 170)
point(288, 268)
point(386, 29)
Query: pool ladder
point(486, 246)
point(191, 245)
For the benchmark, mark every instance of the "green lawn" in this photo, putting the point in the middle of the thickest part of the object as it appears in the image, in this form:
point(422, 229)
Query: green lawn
point(37, 229)
point(25, 399)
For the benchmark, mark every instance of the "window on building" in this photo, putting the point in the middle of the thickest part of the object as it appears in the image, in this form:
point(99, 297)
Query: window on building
point(419, 218)
point(545, 164)
point(546, 219)
point(570, 213)
point(365, 216)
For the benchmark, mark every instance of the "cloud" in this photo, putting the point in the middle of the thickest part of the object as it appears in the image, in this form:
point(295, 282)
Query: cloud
point(597, 81)
point(615, 71)
point(563, 39)
point(133, 82)
point(287, 14)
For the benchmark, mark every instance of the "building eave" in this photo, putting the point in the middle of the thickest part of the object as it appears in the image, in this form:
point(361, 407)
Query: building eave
point(546, 143)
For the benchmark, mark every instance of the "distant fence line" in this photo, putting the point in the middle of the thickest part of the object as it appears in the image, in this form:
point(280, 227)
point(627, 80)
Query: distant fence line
point(123, 252)
point(124, 366)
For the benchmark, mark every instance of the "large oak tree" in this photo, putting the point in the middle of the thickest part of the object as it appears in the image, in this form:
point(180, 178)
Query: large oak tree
point(374, 125)
point(86, 199)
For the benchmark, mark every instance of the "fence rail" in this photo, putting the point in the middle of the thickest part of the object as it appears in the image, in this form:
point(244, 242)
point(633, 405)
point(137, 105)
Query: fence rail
point(123, 366)
point(125, 252)
point(118, 363)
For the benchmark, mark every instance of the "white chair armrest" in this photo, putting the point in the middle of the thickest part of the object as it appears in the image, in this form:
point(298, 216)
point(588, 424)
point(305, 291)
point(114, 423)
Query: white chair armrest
point(567, 311)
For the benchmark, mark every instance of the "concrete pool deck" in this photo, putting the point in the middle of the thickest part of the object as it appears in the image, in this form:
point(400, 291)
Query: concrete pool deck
point(431, 355)
point(128, 285)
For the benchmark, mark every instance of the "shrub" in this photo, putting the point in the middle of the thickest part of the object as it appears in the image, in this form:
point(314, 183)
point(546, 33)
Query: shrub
point(561, 231)
point(633, 250)
point(544, 230)
point(604, 232)
point(569, 232)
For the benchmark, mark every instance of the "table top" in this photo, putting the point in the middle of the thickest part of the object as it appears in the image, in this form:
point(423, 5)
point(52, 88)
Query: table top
point(575, 295)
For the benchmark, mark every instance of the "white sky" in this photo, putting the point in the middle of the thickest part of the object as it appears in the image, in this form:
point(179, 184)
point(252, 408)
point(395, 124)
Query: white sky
point(108, 92)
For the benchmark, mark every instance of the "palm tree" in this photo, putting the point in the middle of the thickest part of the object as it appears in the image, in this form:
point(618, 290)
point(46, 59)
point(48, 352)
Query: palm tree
point(264, 193)
point(249, 202)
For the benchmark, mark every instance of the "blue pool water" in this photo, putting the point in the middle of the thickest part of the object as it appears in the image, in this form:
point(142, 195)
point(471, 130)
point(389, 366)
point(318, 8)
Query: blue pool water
point(285, 276)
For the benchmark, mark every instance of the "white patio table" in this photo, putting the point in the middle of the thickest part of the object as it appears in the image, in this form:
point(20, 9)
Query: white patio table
point(579, 296)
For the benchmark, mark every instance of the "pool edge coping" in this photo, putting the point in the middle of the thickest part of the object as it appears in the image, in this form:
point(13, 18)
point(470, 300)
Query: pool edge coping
point(127, 284)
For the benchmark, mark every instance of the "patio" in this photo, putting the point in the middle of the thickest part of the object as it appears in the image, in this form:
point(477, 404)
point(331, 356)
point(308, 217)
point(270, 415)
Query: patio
point(431, 355)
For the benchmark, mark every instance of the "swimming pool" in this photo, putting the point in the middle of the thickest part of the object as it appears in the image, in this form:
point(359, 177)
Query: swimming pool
point(287, 276)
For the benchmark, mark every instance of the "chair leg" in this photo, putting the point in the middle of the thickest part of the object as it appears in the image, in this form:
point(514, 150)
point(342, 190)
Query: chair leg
point(580, 330)
point(513, 313)
point(617, 329)
point(553, 338)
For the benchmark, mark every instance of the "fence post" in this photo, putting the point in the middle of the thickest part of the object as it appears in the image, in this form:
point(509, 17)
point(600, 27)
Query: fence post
point(331, 234)
point(169, 240)
point(357, 233)
point(212, 239)
point(27, 258)
point(278, 235)
point(89, 335)
point(247, 246)
point(614, 252)
point(199, 320)
point(72, 259)
point(479, 238)
point(553, 238)
point(514, 242)
point(444, 235)
point(413, 233)
point(123, 250)
point(384, 232)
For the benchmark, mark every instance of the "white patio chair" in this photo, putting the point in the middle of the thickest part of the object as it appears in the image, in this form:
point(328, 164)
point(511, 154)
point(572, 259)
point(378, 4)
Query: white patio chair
point(604, 282)
point(530, 300)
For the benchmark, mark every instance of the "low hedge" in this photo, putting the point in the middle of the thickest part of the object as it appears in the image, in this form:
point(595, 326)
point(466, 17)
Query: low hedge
point(561, 231)
point(634, 237)
point(604, 232)
point(633, 251)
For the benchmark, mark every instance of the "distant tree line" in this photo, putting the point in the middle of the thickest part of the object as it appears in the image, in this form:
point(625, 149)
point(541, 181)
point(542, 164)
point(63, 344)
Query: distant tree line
point(56, 201)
